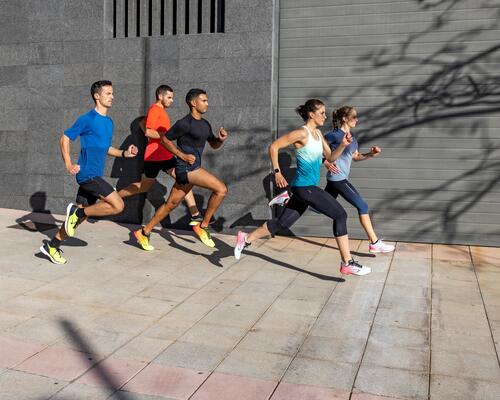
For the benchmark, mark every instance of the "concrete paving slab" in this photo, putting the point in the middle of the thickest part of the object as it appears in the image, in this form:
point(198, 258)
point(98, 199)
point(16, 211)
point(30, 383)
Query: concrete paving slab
point(164, 381)
point(227, 387)
point(255, 364)
point(331, 349)
point(195, 356)
point(288, 391)
point(392, 382)
point(322, 373)
point(444, 387)
point(391, 356)
point(466, 365)
point(58, 362)
point(78, 391)
point(16, 385)
point(214, 335)
point(271, 342)
point(14, 352)
point(142, 348)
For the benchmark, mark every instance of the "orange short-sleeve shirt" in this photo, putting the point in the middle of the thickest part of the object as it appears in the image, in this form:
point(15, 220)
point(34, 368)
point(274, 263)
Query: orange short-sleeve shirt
point(158, 120)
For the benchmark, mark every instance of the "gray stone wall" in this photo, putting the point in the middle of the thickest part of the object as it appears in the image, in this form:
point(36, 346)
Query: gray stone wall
point(52, 50)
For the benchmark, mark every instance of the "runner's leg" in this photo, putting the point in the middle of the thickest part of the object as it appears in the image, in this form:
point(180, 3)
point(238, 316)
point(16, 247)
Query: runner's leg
point(202, 178)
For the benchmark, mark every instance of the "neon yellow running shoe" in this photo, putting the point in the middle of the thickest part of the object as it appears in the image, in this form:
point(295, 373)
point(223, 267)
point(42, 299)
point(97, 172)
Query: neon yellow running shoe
point(204, 235)
point(72, 220)
point(54, 254)
point(143, 240)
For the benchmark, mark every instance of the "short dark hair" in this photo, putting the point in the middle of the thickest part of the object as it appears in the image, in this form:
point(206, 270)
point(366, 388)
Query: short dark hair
point(193, 94)
point(97, 87)
point(162, 89)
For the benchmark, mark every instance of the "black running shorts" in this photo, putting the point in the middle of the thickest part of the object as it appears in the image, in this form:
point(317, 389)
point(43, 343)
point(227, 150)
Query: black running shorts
point(153, 168)
point(92, 190)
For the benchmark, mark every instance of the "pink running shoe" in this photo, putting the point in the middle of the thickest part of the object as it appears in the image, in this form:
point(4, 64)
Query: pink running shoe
point(241, 243)
point(380, 247)
point(354, 268)
point(280, 200)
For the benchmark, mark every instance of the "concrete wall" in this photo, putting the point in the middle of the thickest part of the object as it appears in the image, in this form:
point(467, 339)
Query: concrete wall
point(52, 50)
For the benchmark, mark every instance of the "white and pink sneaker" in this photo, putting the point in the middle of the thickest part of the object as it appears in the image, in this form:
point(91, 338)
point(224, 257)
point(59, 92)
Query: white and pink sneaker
point(353, 268)
point(380, 247)
point(280, 200)
point(241, 243)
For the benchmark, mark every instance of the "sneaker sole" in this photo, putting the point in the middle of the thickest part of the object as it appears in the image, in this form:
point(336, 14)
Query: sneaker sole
point(68, 210)
point(42, 249)
point(140, 245)
point(380, 251)
point(237, 253)
point(278, 202)
point(211, 245)
point(351, 273)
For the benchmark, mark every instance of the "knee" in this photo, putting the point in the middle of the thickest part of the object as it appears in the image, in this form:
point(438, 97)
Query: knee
point(363, 208)
point(173, 203)
point(342, 215)
point(221, 191)
point(118, 207)
point(273, 226)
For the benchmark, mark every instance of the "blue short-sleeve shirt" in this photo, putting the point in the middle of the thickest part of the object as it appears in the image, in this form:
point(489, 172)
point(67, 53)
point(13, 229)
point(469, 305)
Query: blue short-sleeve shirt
point(334, 138)
point(96, 133)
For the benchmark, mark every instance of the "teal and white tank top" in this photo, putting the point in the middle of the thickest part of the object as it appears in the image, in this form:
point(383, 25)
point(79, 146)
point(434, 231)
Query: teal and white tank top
point(309, 159)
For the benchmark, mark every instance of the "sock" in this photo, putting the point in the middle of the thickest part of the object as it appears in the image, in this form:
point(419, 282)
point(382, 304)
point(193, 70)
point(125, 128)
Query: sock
point(80, 213)
point(246, 241)
point(144, 233)
point(376, 241)
point(55, 242)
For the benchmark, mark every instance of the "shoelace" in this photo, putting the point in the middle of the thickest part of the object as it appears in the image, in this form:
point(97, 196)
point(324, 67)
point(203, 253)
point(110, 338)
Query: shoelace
point(354, 263)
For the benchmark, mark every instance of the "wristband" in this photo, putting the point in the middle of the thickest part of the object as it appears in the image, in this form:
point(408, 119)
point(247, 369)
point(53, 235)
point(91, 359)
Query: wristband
point(123, 153)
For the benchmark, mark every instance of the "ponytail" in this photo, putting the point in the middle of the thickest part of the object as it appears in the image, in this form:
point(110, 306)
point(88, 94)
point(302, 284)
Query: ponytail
point(339, 114)
point(310, 105)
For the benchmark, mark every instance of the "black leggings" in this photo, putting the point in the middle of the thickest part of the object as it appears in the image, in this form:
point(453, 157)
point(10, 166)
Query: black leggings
point(303, 197)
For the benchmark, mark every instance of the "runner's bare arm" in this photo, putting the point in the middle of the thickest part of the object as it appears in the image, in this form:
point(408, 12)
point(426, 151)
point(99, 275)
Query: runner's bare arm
point(222, 136)
point(294, 137)
point(374, 151)
point(170, 146)
point(64, 145)
point(129, 153)
point(338, 151)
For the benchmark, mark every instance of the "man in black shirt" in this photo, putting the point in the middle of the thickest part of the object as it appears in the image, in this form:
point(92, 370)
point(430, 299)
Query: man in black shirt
point(191, 134)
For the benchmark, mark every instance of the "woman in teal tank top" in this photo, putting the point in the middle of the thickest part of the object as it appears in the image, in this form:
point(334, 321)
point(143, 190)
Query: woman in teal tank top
point(310, 148)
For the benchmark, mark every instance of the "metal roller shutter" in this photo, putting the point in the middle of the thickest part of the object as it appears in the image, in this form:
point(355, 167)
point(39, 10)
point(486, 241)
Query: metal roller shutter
point(424, 78)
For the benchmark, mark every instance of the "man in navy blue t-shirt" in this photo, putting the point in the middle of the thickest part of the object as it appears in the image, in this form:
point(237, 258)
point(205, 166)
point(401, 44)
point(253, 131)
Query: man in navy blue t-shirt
point(95, 130)
point(191, 133)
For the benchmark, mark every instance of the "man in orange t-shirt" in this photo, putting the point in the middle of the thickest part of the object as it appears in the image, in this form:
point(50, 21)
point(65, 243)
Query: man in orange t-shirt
point(156, 157)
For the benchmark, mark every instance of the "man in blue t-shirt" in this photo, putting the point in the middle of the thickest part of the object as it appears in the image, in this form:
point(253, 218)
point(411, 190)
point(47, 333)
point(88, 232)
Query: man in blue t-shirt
point(95, 130)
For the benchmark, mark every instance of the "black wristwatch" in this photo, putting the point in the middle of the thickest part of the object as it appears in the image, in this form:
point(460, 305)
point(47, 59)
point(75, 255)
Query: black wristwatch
point(276, 170)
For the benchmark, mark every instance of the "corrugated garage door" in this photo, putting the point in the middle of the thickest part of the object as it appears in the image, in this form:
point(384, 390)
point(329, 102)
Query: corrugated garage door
point(425, 79)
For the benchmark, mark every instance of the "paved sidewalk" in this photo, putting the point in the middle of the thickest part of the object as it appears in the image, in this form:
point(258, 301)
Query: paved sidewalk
point(189, 322)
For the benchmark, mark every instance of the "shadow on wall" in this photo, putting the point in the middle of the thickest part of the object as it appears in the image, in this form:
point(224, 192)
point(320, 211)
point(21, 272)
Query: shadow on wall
point(464, 87)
